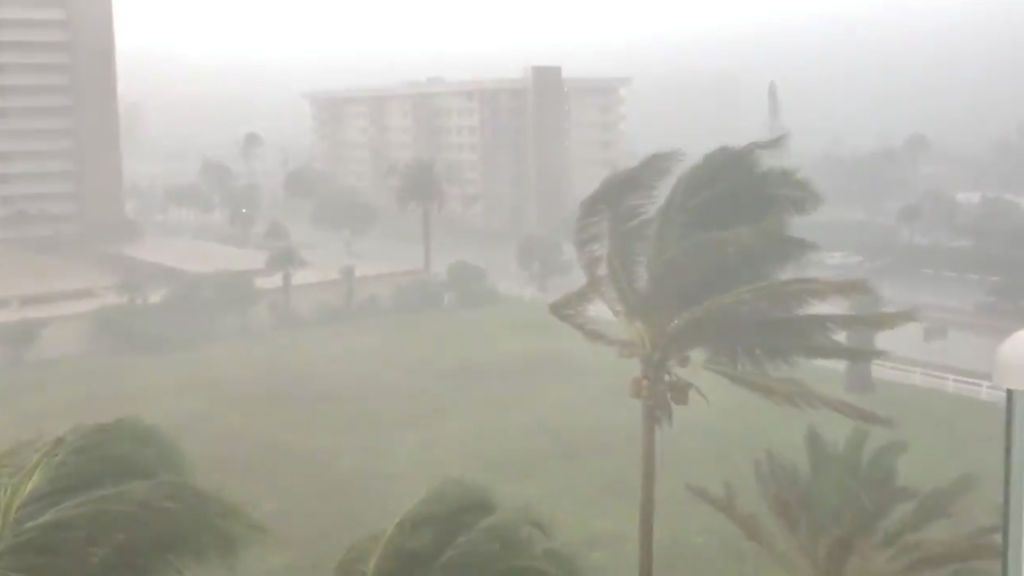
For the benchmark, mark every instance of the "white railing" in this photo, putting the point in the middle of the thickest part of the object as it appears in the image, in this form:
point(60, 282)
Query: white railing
point(893, 370)
point(937, 380)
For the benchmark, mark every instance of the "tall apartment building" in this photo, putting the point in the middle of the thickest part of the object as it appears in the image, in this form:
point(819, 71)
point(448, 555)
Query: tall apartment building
point(60, 158)
point(514, 153)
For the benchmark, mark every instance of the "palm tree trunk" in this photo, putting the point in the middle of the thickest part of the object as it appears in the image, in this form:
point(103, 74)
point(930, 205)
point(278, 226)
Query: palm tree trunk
point(428, 239)
point(647, 485)
point(286, 287)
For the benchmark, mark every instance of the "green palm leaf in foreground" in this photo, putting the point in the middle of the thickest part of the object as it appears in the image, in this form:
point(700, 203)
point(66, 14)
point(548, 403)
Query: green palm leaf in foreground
point(846, 513)
point(697, 281)
point(112, 499)
point(458, 529)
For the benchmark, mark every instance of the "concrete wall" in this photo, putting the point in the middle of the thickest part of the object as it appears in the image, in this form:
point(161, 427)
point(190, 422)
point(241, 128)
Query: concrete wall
point(75, 334)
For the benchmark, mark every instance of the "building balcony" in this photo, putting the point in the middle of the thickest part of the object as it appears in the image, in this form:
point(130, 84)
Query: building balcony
point(54, 210)
point(36, 157)
point(32, 13)
point(31, 32)
point(14, 51)
point(57, 192)
point(19, 79)
point(11, 170)
point(13, 128)
point(11, 147)
point(14, 102)
point(24, 57)
point(12, 231)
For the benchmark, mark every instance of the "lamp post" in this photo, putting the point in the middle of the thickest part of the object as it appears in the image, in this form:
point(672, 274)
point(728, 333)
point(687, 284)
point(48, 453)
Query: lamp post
point(1009, 373)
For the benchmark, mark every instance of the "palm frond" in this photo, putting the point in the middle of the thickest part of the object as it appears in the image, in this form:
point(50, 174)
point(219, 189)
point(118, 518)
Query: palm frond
point(284, 258)
point(935, 505)
point(137, 528)
point(20, 484)
point(767, 145)
point(631, 226)
point(99, 456)
point(952, 552)
point(610, 233)
point(763, 324)
point(792, 393)
point(851, 455)
point(837, 512)
point(507, 543)
point(777, 297)
point(729, 189)
point(691, 271)
point(457, 529)
point(357, 559)
point(420, 185)
point(745, 522)
point(422, 535)
point(882, 465)
point(573, 309)
point(759, 342)
point(111, 500)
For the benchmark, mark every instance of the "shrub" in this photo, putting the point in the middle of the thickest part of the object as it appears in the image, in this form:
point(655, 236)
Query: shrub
point(470, 286)
point(146, 329)
point(196, 310)
point(18, 339)
point(277, 233)
point(342, 211)
point(418, 295)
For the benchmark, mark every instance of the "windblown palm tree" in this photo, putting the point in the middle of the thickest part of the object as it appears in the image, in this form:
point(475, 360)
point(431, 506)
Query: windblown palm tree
point(420, 186)
point(457, 529)
point(110, 500)
point(847, 514)
point(693, 282)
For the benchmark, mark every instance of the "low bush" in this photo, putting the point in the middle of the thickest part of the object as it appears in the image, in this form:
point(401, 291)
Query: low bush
point(469, 286)
point(418, 295)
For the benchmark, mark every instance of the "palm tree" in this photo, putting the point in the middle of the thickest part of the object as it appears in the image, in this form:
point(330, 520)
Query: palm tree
point(420, 186)
point(909, 216)
point(112, 499)
point(692, 282)
point(848, 514)
point(457, 529)
point(252, 145)
point(217, 179)
point(277, 233)
point(284, 260)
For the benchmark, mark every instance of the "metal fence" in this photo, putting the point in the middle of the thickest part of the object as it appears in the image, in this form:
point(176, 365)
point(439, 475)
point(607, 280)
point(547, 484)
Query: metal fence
point(903, 373)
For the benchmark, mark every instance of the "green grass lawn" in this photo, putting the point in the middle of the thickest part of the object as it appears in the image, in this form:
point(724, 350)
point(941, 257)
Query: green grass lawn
point(328, 433)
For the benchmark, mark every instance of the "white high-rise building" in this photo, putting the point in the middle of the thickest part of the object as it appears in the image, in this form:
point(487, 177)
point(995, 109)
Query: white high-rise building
point(60, 162)
point(514, 153)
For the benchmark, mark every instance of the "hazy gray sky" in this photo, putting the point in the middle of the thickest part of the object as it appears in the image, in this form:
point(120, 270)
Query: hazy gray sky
point(301, 30)
point(854, 74)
